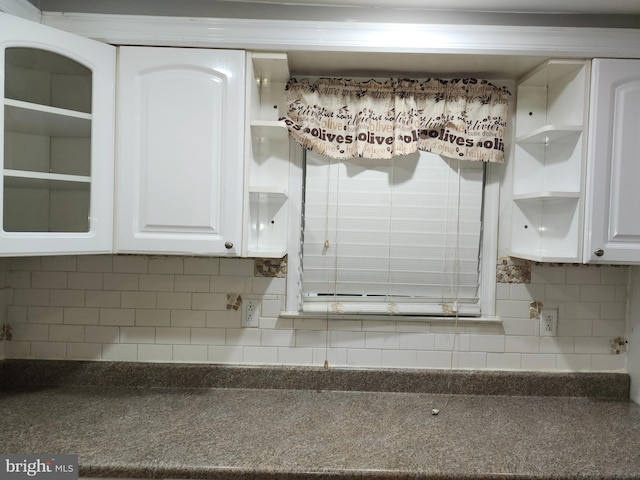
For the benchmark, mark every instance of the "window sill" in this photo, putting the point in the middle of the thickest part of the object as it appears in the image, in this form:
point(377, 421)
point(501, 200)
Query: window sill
point(485, 320)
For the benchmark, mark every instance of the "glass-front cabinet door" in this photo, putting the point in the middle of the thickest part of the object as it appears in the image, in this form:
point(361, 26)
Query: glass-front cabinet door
point(57, 141)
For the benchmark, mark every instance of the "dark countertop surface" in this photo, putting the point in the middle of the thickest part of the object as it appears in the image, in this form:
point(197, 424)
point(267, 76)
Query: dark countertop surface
point(269, 433)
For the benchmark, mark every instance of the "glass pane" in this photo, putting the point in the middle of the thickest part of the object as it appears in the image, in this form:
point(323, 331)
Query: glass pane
point(46, 78)
point(35, 205)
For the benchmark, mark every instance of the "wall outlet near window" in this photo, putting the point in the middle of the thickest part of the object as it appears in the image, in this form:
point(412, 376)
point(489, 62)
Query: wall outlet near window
point(250, 312)
point(548, 322)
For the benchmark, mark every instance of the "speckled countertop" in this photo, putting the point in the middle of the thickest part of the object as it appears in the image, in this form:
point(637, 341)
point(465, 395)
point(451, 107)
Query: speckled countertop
point(281, 433)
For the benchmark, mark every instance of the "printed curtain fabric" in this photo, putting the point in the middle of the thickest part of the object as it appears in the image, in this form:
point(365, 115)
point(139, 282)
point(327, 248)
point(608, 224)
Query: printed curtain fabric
point(461, 118)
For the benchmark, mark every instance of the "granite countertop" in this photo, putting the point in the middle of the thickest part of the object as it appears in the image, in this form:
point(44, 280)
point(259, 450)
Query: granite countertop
point(281, 433)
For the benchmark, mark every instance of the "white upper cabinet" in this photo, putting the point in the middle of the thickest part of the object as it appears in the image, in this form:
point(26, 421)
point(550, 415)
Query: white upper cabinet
point(57, 141)
point(613, 179)
point(180, 151)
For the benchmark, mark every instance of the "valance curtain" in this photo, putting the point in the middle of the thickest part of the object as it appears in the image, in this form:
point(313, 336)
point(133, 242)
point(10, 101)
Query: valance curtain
point(456, 118)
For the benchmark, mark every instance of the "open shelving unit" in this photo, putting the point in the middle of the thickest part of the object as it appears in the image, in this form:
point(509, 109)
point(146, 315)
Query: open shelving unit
point(550, 159)
point(267, 156)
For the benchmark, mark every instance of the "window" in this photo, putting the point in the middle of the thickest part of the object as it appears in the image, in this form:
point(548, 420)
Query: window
point(414, 235)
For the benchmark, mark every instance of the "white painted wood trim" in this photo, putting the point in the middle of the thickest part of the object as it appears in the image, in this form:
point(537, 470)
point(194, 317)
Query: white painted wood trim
point(349, 36)
point(21, 8)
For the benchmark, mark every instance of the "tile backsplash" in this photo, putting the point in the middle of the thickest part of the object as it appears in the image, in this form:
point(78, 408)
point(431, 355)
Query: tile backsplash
point(187, 309)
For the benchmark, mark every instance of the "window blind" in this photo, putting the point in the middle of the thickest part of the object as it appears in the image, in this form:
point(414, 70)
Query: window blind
point(399, 236)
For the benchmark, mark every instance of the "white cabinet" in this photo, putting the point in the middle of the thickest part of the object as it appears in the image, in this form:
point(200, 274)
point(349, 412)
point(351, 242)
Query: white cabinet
point(550, 155)
point(180, 151)
point(57, 141)
point(613, 216)
point(267, 156)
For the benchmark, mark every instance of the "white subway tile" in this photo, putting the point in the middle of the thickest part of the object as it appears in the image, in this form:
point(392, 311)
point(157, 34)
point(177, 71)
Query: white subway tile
point(519, 326)
point(347, 339)
point(583, 275)
point(201, 266)
point(225, 355)
point(562, 293)
point(66, 298)
point(557, 344)
point(608, 363)
point(311, 338)
point(378, 326)
point(598, 293)
point(470, 360)
point(49, 350)
point(574, 328)
point(417, 341)
point(17, 349)
point(94, 263)
point(84, 351)
point(413, 327)
point(230, 284)
point(16, 314)
point(239, 267)
point(503, 291)
point(188, 318)
point(609, 328)
point(274, 323)
point(224, 319)
point(191, 283)
point(271, 307)
point(66, 333)
point(483, 329)
point(504, 361)
point(123, 352)
point(130, 264)
point(336, 357)
point(268, 286)
point(487, 343)
point(593, 345)
point(60, 263)
point(167, 264)
point(613, 310)
point(364, 357)
point(25, 332)
point(522, 344)
point(399, 358)
point(189, 353)
point(208, 336)
point(81, 316)
point(573, 362)
point(138, 300)
point(155, 353)
point(621, 294)
point(100, 334)
point(23, 296)
point(137, 335)
point(117, 316)
point(295, 356)
point(156, 282)
point(44, 315)
point(277, 338)
point(121, 281)
point(614, 275)
point(539, 361)
point(382, 340)
point(209, 301)
point(548, 274)
point(102, 299)
point(580, 310)
point(451, 341)
point(525, 291)
point(260, 355)
point(18, 279)
point(310, 324)
point(434, 360)
point(85, 280)
point(174, 300)
point(24, 263)
point(153, 318)
point(244, 336)
point(512, 308)
point(173, 335)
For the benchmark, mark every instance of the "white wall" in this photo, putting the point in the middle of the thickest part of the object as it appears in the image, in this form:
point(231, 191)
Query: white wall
point(180, 309)
point(633, 359)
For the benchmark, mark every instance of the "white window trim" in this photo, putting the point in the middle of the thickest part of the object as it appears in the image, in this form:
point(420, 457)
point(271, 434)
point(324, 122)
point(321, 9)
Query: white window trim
point(487, 292)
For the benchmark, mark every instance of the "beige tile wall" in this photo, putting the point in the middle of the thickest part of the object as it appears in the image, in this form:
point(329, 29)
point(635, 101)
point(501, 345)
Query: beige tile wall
point(181, 309)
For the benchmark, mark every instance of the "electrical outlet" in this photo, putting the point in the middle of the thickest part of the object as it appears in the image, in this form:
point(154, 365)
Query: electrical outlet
point(548, 322)
point(250, 312)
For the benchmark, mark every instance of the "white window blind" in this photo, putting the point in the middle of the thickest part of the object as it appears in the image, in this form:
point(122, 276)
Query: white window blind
point(399, 236)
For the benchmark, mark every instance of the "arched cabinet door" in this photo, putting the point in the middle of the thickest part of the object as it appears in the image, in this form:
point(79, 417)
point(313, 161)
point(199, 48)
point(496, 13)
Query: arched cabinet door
point(180, 151)
point(57, 144)
point(613, 197)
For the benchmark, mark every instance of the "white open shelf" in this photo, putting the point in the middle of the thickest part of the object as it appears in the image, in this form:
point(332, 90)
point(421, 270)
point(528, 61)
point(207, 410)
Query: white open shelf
point(34, 119)
point(548, 134)
point(269, 129)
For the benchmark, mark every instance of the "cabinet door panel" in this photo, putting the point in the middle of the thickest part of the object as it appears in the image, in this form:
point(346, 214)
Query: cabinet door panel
point(180, 151)
point(614, 163)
